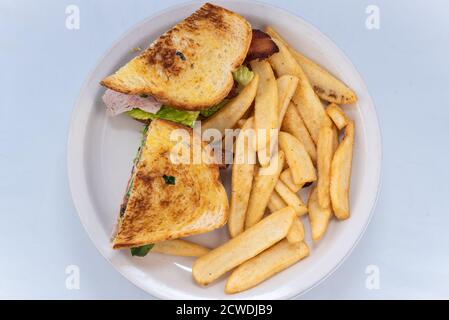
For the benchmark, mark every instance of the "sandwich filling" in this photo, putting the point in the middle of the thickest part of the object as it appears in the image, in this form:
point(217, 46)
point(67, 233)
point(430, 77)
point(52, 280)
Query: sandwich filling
point(142, 250)
point(146, 107)
point(117, 102)
point(133, 173)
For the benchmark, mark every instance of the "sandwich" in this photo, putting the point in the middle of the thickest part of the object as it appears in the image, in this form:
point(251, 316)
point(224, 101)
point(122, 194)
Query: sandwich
point(186, 70)
point(190, 71)
point(166, 199)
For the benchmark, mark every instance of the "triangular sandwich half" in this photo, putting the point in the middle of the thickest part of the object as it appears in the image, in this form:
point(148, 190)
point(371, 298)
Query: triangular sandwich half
point(168, 200)
point(190, 66)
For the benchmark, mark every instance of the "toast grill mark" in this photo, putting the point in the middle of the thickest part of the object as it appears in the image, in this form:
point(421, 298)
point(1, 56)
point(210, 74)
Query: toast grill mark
point(164, 54)
point(207, 13)
point(172, 57)
point(169, 55)
point(153, 183)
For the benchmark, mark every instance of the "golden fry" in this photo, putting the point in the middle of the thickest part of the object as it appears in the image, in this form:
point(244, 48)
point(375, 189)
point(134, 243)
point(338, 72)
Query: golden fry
point(228, 116)
point(326, 86)
point(296, 233)
point(298, 159)
point(242, 178)
point(276, 203)
point(286, 88)
point(263, 186)
point(337, 115)
point(305, 100)
point(180, 247)
point(341, 174)
point(327, 144)
point(290, 198)
point(294, 125)
point(243, 247)
point(318, 217)
point(286, 177)
point(266, 112)
point(258, 269)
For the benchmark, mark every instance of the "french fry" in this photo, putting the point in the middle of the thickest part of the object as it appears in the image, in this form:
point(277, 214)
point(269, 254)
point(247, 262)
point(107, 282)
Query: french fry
point(258, 269)
point(337, 115)
point(242, 178)
point(276, 203)
point(305, 100)
point(290, 198)
point(341, 174)
point(243, 247)
point(294, 125)
point(263, 186)
point(287, 179)
point(240, 123)
point(326, 86)
point(327, 143)
point(285, 167)
point(318, 217)
point(286, 88)
point(298, 159)
point(266, 112)
point(296, 233)
point(228, 116)
point(179, 247)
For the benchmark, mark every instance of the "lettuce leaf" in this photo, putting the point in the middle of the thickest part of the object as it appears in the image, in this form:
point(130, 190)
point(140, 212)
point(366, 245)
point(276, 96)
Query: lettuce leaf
point(141, 251)
point(212, 110)
point(184, 117)
point(165, 112)
point(139, 114)
point(243, 75)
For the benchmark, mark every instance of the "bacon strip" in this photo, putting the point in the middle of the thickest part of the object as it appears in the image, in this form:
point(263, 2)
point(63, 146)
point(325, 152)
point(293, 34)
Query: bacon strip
point(262, 46)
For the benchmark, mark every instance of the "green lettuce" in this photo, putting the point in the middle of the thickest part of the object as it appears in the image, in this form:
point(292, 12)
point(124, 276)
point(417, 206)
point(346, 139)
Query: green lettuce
point(168, 113)
point(139, 114)
point(137, 158)
point(141, 251)
point(243, 75)
point(210, 111)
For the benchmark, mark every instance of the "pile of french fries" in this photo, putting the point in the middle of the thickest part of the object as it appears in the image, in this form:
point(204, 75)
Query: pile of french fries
point(313, 148)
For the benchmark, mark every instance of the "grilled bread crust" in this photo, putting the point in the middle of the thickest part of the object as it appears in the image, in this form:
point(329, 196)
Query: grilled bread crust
point(156, 210)
point(189, 67)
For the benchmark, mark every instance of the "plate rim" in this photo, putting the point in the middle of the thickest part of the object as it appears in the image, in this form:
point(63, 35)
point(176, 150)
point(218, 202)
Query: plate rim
point(71, 138)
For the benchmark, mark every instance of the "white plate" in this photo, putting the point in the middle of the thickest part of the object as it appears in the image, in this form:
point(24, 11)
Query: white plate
point(101, 149)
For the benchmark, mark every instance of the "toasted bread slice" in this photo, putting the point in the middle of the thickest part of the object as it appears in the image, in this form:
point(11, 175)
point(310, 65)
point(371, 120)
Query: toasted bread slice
point(189, 67)
point(169, 200)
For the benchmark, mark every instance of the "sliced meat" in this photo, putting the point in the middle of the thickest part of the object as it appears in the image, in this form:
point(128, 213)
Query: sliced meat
point(262, 46)
point(117, 102)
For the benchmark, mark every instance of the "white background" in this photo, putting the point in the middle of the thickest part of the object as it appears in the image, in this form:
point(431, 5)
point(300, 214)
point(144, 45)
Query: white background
point(43, 65)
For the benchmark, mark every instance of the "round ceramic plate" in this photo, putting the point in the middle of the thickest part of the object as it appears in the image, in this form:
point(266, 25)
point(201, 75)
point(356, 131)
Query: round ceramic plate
point(101, 150)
